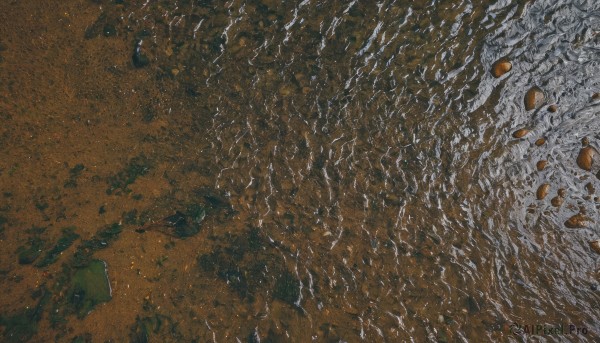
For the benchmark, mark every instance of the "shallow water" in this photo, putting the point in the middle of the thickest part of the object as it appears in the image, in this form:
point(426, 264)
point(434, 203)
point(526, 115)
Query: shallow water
point(351, 166)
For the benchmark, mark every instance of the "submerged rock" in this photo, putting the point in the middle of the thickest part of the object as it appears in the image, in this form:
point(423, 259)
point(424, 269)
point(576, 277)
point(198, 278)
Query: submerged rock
point(138, 58)
point(109, 30)
point(534, 98)
point(542, 191)
point(286, 90)
point(520, 133)
point(577, 221)
point(501, 67)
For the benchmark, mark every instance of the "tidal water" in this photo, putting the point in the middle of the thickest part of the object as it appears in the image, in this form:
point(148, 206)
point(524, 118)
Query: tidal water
point(328, 171)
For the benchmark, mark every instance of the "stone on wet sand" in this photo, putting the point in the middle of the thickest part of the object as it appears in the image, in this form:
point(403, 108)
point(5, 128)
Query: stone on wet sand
point(585, 141)
point(541, 165)
point(552, 108)
point(540, 141)
point(534, 98)
point(520, 133)
point(577, 221)
point(557, 201)
point(595, 245)
point(586, 158)
point(589, 187)
point(501, 67)
point(542, 191)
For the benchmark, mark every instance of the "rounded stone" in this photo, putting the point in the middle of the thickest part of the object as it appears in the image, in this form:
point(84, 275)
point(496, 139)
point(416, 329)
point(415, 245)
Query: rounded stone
point(552, 108)
point(540, 141)
point(520, 133)
point(589, 187)
point(577, 221)
point(109, 30)
point(562, 192)
point(586, 157)
point(542, 191)
point(533, 98)
point(541, 165)
point(595, 245)
point(501, 67)
point(557, 201)
point(585, 141)
point(285, 90)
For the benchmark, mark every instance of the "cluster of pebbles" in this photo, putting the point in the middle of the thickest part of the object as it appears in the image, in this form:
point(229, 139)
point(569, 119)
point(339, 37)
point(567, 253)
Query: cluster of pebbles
point(587, 159)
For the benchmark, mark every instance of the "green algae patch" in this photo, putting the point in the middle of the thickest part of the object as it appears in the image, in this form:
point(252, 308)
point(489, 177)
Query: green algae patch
point(89, 287)
point(83, 282)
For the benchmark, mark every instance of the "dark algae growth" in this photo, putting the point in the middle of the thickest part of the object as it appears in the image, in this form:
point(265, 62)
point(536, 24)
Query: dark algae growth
point(136, 167)
point(74, 173)
point(179, 224)
point(245, 264)
point(30, 252)
point(299, 171)
point(64, 242)
point(21, 326)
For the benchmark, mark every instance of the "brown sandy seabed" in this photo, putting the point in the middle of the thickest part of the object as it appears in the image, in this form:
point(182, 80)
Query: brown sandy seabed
point(64, 101)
